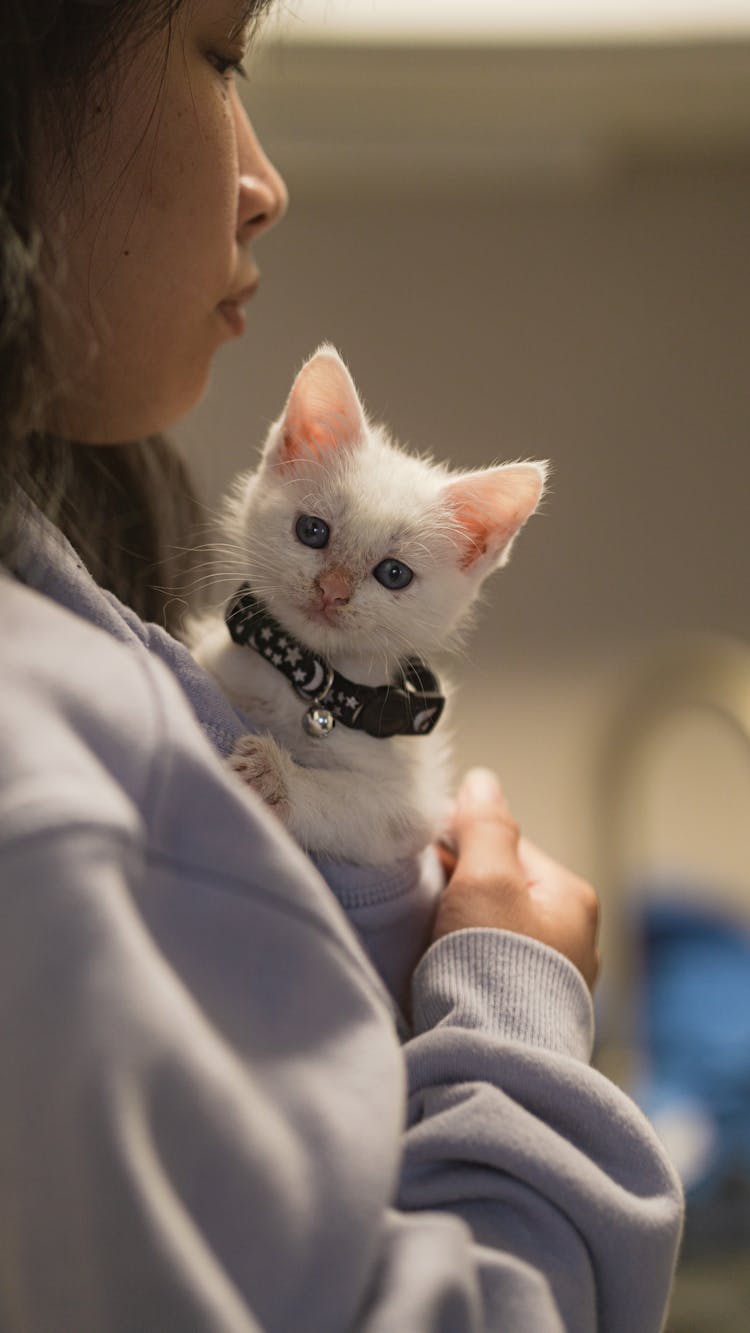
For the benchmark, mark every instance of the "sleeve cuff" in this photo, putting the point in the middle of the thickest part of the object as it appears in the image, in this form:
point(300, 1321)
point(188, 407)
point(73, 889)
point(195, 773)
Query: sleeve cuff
point(507, 984)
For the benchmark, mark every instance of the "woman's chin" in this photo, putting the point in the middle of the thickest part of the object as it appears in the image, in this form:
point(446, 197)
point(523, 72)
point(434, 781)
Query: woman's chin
point(115, 412)
point(121, 429)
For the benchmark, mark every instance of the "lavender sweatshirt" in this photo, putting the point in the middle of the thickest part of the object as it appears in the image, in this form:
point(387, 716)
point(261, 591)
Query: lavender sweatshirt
point(213, 1118)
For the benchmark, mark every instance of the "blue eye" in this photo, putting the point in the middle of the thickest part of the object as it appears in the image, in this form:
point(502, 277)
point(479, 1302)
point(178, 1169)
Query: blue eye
point(312, 531)
point(392, 574)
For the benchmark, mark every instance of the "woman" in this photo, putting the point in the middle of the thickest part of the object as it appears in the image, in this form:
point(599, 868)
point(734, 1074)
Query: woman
point(214, 1115)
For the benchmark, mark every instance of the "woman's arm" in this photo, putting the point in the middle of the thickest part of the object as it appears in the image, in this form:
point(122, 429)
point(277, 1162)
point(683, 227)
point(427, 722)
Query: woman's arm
point(573, 1211)
point(568, 1196)
point(203, 1115)
point(200, 1126)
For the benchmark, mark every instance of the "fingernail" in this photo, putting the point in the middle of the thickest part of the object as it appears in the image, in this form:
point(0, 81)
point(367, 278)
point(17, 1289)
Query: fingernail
point(480, 786)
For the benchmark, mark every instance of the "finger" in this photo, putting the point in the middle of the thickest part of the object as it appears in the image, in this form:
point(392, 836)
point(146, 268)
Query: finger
point(486, 834)
point(481, 788)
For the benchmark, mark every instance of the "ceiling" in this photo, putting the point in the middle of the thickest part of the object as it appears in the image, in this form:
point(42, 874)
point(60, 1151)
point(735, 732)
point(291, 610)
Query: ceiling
point(511, 20)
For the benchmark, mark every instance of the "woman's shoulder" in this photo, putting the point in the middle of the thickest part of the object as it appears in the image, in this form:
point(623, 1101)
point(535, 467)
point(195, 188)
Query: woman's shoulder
point(98, 737)
point(81, 716)
point(96, 732)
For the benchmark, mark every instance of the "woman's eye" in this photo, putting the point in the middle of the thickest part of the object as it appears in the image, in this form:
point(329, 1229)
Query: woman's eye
point(227, 65)
point(392, 574)
point(312, 531)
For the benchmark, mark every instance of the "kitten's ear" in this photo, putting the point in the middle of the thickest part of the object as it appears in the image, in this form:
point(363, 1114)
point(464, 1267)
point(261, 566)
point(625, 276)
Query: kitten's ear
point(490, 507)
point(323, 413)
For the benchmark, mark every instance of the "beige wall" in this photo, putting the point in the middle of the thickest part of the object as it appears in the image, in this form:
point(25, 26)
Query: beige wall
point(579, 290)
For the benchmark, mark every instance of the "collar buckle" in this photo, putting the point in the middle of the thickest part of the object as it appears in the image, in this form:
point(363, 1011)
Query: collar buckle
point(400, 712)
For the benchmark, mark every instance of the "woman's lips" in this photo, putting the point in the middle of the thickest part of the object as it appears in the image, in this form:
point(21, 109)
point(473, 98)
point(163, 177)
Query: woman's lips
point(232, 311)
point(234, 316)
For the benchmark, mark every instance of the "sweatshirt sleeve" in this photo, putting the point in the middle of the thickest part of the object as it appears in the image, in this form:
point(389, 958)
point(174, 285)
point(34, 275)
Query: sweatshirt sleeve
point(570, 1208)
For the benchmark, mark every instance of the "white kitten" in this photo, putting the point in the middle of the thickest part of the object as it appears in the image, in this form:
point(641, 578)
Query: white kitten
point(365, 556)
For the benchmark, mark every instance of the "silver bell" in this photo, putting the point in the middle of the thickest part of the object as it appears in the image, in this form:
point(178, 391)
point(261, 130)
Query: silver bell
point(318, 722)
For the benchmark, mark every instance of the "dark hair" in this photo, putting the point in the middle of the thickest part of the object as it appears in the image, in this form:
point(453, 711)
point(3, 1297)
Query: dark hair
point(130, 509)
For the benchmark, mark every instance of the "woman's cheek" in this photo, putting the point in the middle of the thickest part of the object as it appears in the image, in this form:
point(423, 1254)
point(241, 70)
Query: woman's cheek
point(199, 160)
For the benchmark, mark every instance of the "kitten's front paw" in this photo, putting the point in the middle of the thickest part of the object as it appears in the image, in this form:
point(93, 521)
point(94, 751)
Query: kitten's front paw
point(260, 762)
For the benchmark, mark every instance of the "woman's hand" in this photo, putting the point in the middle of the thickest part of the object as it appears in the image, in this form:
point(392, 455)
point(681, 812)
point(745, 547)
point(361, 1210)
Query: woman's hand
point(499, 879)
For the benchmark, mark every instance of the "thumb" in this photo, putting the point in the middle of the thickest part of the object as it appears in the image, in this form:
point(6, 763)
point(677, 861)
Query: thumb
point(484, 829)
point(480, 796)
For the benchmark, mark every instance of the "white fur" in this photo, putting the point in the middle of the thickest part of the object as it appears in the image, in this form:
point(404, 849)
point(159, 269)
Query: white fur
point(352, 796)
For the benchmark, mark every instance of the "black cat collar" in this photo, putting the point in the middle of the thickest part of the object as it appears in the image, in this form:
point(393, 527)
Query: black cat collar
point(410, 706)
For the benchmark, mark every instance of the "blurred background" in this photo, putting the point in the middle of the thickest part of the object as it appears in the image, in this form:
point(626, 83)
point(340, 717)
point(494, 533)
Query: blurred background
point(526, 226)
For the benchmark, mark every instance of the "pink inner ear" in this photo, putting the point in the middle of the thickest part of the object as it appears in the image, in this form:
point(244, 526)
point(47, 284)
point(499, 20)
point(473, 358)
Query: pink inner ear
point(474, 530)
point(490, 507)
point(323, 413)
point(313, 439)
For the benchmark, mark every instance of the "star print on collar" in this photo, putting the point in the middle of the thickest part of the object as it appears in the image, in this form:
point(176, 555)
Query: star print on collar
point(410, 705)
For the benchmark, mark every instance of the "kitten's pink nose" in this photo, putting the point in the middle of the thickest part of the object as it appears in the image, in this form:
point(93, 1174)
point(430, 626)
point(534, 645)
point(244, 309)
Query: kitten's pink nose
point(335, 587)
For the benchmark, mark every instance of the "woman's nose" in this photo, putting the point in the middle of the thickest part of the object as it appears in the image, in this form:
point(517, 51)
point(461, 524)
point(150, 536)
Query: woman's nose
point(263, 196)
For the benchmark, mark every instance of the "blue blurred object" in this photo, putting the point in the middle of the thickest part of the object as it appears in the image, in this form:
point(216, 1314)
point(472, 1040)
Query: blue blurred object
point(694, 1040)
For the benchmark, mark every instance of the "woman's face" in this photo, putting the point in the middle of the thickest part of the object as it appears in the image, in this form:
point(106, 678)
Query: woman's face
point(152, 236)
